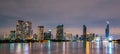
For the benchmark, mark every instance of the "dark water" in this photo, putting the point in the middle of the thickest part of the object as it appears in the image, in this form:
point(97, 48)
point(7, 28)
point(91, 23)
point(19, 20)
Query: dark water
point(60, 48)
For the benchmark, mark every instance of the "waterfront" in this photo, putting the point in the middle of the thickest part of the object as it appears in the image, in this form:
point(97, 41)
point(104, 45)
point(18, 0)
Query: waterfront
point(60, 48)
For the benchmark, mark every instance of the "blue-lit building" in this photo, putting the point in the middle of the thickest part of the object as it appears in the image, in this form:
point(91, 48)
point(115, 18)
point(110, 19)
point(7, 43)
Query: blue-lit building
point(107, 30)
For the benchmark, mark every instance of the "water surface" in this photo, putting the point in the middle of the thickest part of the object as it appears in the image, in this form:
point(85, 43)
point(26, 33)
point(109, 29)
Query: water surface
point(60, 48)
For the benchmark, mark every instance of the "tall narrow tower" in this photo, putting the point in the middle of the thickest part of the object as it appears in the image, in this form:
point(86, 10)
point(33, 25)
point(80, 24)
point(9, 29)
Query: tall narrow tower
point(84, 36)
point(84, 31)
point(107, 29)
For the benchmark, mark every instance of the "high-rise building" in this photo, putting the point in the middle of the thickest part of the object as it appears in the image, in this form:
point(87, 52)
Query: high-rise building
point(84, 35)
point(28, 29)
point(84, 32)
point(41, 32)
point(60, 32)
point(24, 29)
point(107, 29)
point(20, 29)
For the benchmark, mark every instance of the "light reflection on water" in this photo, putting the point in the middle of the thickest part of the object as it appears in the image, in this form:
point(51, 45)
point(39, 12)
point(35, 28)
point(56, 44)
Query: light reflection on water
point(87, 48)
point(18, 48)
point(110, 48)
point(60, 48)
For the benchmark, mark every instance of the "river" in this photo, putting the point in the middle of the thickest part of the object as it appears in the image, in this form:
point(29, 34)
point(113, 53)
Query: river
point(60, 48)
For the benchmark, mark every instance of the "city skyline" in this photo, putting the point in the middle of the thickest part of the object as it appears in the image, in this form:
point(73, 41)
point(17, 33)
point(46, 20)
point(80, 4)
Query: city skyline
point(25, 28)
point(73, 14)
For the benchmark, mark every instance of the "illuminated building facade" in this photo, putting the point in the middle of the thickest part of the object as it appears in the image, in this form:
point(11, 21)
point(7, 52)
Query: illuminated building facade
point(23, 29)
point(12, 35)
point(20, 29)
point(41, 32)
point(60, 32)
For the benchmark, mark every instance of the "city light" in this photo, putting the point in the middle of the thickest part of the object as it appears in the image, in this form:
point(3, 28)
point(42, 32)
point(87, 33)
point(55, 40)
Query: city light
point(110, 38)
point(59, 26)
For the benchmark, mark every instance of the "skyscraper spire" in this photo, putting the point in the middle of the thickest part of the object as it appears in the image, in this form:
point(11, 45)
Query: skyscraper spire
point(107, 22)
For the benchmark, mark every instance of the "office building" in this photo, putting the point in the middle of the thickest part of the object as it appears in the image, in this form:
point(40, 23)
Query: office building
point(60, 32)
point(41, 32)
point(28, 30)
point(20, 29)
point(24, 29)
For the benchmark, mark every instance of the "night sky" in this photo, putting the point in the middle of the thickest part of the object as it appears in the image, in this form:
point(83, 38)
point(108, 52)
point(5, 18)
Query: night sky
point(72, 13)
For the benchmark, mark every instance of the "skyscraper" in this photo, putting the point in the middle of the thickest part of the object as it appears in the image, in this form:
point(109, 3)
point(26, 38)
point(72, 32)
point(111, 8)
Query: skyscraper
point(60, 32)
point(24, 29)
point(84, 32)
point(28, 29)
point(20, 29)
point(41, 32)
point(84, 36)
point(107, 29)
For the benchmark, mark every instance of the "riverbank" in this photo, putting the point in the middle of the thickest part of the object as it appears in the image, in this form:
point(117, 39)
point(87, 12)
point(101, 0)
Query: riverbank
point(27, 41)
